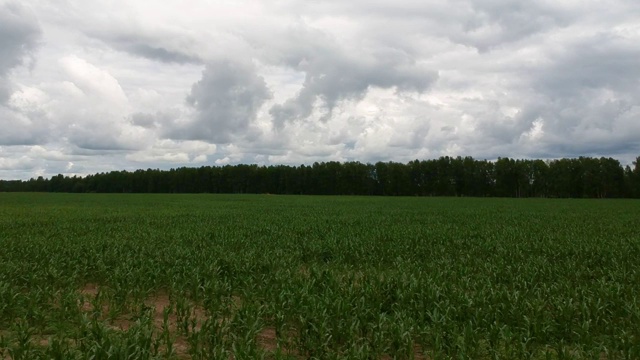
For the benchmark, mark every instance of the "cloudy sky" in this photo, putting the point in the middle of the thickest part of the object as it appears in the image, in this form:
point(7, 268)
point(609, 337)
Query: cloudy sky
point(101, 85)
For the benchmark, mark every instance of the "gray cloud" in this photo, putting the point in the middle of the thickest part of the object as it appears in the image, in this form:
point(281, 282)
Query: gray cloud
point(603, 61)
point(144, 120)
point(225, 101)
point(18, 129)
point(145, 48)
point(91, 141)
point(155, 120)
point(482, 24)
point(587, 97)
point(334, 74)
point(494, 23)
point(19, 36)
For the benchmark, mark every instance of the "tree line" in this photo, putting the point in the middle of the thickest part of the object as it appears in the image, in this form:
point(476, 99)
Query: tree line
point(583, 177)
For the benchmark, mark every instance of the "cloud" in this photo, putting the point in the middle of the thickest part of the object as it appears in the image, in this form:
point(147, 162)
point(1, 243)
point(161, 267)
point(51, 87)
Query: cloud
point(98, 120)
point(18, 129)
point(491, 24)
point(22, 163)
point(482, 24)
point(19, 36)
point(585, 97)
point(163, 46)
point(87, 109)
point(126, 85)
point(334, 73)
point(169, 151)
point(93, 81)
point(170, 33)
point(225, 102)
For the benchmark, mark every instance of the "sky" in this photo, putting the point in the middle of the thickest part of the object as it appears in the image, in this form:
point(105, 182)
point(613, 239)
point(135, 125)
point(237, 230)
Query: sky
point(95, 86)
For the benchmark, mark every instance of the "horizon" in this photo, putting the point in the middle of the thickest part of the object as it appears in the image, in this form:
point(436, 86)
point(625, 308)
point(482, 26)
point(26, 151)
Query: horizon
point(623, 165)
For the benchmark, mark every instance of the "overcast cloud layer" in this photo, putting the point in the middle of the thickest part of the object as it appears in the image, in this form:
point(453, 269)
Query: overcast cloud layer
point(94, 86)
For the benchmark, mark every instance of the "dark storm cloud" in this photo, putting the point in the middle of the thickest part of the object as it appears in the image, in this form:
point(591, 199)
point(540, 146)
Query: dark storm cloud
point(19, 36)
point(225, 100)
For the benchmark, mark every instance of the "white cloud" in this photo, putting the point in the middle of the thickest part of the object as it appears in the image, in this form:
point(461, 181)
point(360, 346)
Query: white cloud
point(93, 81)
point(22, 163)
point(172, 152)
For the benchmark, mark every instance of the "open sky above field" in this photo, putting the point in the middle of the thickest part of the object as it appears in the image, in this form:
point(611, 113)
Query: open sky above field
point(92, 86)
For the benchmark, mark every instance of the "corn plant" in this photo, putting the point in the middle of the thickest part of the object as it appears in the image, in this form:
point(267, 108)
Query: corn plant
point(293, 277)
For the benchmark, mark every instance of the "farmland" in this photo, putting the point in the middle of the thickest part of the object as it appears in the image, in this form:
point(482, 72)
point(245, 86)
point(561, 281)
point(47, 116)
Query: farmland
point(294, 277)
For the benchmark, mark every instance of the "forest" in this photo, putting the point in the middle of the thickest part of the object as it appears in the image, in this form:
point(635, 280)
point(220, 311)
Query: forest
point(583, 177)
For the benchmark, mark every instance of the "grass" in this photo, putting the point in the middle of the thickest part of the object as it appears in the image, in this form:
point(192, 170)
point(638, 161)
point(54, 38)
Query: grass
point(277, 277)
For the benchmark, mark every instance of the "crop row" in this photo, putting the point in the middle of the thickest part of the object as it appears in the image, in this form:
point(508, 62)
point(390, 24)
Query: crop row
point(205, 277)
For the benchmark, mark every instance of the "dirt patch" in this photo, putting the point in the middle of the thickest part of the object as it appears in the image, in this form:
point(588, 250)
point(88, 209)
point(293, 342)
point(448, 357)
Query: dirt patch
point(42, 341)
point(267, 339)
point(181, 348)
point(159, 303)
point(89, 293)
point(418, 354)
point(178, 316)
point(120, 323)
point(90, 290)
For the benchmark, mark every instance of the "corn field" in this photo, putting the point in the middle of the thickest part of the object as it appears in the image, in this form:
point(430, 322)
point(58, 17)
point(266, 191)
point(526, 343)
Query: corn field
point(92, 276)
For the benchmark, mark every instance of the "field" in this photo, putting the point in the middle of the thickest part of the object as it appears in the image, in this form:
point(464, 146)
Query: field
point(290, 277)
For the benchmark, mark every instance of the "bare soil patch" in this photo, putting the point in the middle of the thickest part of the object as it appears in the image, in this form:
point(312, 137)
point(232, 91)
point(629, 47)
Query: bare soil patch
point(160, 303)
point(267, 339)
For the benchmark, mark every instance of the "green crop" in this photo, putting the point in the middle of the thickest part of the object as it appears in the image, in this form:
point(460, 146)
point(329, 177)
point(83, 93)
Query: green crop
point(292, 277)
